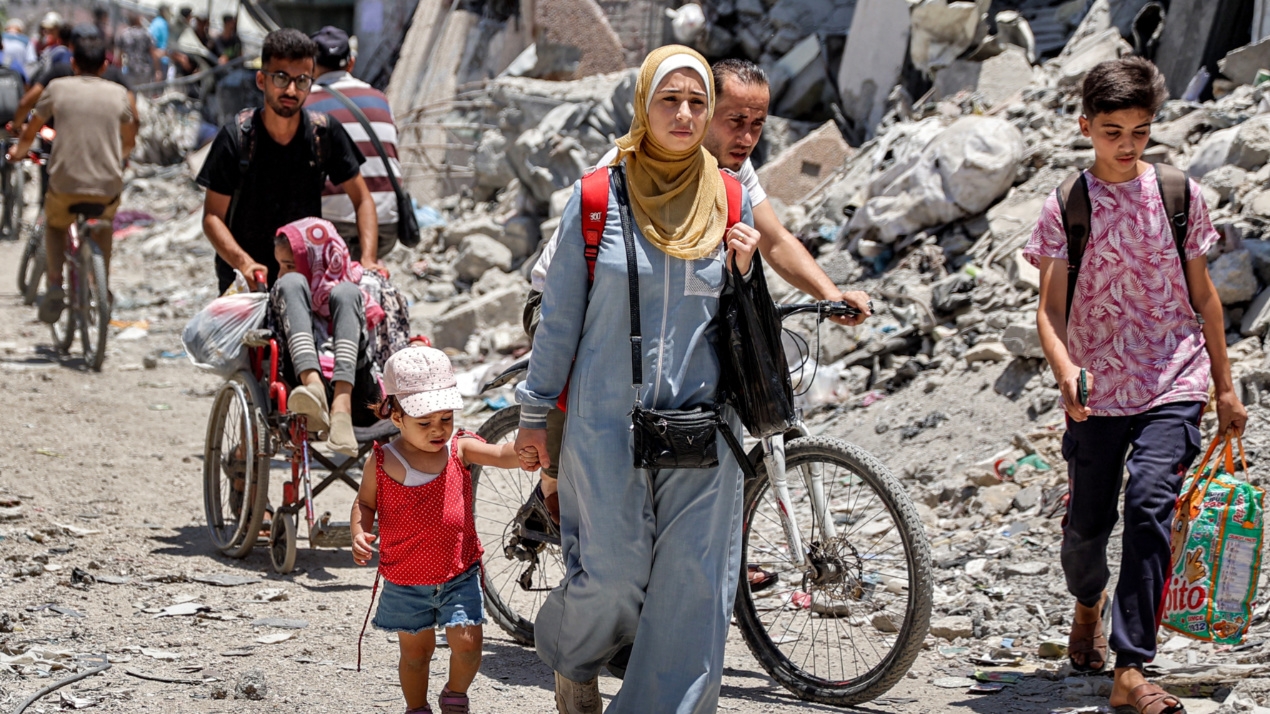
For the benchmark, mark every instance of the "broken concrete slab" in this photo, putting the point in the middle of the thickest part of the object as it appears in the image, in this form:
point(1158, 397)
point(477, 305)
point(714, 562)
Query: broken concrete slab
point(873, 60)
point(958, 174)
point(952, 627)
point(1257, 317)
point(994, 80)
point(942, 30)
point(1226, 181)
point(796, 172)
point(559, 22)
point(1240, 66)
point(1022, 340)
point(986, 352)
point(453, 328)
point(1233, 277)
point(479, 253)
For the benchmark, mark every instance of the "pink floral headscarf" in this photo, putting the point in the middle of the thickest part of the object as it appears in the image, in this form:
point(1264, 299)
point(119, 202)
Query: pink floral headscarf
point(322, 256)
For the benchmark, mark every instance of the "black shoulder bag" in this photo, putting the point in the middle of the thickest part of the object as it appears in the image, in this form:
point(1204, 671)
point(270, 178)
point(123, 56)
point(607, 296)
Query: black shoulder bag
point(665, 438)
point(407, 224)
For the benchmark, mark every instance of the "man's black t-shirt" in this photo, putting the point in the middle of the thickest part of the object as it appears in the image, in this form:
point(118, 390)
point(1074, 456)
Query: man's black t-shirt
point(283, 184)
point(63, 69)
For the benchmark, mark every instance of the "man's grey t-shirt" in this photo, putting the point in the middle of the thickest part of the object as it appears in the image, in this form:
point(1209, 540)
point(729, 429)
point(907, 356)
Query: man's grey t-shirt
point(88, 153)
point(538, 277)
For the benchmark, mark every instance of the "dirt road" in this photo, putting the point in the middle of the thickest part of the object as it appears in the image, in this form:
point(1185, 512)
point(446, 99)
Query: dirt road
point(107, 468)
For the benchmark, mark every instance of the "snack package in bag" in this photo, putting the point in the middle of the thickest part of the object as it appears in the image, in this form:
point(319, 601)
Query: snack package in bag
point(213, 338)
point(1216, 550)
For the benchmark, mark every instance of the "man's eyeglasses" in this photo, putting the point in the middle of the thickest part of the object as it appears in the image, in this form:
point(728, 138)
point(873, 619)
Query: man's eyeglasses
point(282, 79)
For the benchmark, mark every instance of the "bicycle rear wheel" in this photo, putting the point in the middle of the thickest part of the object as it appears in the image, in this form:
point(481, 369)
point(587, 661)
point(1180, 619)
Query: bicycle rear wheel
point(518, 572)
point(63, 331)
point(847, 630)
point(235, 471)
point(93, 303)
point(11, 215)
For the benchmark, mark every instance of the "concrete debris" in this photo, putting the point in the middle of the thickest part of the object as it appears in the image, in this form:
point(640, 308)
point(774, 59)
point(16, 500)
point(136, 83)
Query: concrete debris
point(1241, 66)
point(942, 30)
point(873, 61)
point(1233, 277)
point(995, 80)
point(799, 170)
point(961, 172)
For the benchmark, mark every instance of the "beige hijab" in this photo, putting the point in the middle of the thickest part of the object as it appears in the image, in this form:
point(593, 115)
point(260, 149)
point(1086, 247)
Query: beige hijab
point(678, 198)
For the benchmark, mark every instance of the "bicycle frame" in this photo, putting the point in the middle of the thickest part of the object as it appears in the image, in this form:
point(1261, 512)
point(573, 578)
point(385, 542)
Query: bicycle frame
point(773, 451)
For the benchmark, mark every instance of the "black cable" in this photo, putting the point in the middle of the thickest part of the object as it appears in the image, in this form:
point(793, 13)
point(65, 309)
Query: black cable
point(58, 685)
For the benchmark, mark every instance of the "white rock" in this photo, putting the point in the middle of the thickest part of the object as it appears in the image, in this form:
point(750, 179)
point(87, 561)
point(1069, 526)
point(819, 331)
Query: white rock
point(1257, 318)
point(479, 253)
point(1233, 276)
point(987, 352)
point(953, 627)
point(1023, 340)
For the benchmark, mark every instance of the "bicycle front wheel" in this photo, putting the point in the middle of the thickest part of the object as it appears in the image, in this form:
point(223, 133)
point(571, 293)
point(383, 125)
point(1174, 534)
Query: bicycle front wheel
point(93, 303)
point(845, 630)
point(518, 572)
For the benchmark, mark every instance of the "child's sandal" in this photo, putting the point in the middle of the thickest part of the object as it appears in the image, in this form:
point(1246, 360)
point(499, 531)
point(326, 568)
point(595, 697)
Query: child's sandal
point(453, 703)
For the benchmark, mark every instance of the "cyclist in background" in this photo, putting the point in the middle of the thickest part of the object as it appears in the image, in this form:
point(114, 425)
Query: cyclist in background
point(97, 128)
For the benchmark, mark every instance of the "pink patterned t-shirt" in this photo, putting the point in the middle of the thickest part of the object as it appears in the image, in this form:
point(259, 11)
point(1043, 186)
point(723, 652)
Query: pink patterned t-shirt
point(1132, 325)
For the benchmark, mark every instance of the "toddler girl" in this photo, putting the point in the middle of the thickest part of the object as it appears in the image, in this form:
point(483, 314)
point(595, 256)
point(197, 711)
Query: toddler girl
point(420, 486)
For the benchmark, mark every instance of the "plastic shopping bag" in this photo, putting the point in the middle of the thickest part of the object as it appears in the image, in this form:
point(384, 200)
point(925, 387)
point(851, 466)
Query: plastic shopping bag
point(1216, 550)
point(214, 337)
point(754, 374)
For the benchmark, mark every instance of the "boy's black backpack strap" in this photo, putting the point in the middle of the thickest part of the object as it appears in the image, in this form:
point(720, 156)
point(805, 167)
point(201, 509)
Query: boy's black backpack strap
point(1073, 206)
point(245, 122)
point(1175, 191)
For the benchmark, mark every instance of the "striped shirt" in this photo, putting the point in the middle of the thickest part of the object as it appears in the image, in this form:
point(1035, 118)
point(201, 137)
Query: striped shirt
point(336, 205)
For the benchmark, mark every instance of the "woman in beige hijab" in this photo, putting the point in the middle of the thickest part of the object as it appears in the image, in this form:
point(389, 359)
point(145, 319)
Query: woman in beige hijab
point(651, 557)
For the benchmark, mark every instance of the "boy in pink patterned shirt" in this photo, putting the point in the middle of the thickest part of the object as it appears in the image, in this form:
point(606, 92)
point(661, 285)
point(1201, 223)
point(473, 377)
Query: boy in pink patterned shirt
point(1135, 328)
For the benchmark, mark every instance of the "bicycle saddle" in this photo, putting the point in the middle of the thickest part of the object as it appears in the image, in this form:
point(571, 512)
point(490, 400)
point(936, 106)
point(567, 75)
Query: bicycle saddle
point(88, 210)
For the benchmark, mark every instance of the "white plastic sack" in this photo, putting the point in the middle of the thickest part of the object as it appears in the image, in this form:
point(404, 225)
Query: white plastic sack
point(214, 337)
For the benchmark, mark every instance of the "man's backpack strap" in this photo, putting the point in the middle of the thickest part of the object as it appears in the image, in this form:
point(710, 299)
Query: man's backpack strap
point(314, 133)
point(245, 123)
point(1074, 207)
point(595, 210)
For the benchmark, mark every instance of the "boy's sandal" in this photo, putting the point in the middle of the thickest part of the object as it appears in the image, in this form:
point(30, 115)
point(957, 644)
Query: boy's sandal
point(1087, 639)
point(1149, 698)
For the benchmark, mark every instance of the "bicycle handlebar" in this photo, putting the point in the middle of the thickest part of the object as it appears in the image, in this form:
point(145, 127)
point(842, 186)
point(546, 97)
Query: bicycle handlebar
point(823, 309)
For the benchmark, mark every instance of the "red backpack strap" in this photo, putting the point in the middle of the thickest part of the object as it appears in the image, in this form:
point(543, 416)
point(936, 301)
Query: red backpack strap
point(733, 187)
point(595, 209)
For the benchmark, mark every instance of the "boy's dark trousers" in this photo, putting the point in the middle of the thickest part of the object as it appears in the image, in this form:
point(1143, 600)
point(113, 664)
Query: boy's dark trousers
point(1160, 445)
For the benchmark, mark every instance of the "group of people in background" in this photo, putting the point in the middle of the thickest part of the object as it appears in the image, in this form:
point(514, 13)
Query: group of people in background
point(144, 49)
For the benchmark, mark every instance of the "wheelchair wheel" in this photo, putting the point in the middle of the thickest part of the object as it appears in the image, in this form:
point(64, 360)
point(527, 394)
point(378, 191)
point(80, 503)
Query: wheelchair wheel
point(518, 572)
point(282, 542)
point(235, 471)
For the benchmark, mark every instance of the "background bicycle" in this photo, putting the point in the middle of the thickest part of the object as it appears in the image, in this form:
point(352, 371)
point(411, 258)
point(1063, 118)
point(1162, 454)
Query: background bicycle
point(846, 604)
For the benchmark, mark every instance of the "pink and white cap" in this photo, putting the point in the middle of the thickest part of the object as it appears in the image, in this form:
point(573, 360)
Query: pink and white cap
point(423, 381)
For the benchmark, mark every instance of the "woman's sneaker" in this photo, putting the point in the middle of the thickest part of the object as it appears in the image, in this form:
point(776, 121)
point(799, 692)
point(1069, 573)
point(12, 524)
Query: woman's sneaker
point(452, 703)
point(577, 697)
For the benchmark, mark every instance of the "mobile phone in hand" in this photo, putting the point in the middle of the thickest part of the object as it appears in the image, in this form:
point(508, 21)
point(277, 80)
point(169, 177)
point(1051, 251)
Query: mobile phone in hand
point(1082, 387)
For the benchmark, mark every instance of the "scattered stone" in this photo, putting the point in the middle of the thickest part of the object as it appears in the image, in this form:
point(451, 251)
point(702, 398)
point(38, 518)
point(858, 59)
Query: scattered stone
point(479, 253)
point(999, 498)
point(1233, 277)
point(1029, 569)
point(281, 623)
point(987, 352)
point(251, 686)
point(952, 627)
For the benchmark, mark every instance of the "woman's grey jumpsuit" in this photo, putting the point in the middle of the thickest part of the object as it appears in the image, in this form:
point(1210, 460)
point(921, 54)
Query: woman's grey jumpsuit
point(651, 558)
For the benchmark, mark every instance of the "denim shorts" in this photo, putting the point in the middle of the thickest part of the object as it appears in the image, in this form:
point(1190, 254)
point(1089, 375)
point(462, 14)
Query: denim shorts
point(415, 608)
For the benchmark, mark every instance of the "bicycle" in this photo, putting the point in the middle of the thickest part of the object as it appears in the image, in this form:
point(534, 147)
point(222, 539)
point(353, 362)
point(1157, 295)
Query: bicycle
point(836, 528)
point(85, 283)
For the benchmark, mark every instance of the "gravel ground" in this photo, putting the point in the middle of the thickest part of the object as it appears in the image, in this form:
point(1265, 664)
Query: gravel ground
point(107, 469)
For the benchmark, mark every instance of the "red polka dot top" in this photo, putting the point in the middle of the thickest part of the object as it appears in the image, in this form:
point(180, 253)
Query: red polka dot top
point(427, 534)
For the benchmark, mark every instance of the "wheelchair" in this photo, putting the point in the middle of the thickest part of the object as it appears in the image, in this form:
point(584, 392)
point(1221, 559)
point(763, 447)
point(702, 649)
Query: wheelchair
point(249, 425)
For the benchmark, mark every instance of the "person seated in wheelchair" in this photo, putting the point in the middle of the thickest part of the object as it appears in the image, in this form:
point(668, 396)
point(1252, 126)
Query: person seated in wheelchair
point(325, 319)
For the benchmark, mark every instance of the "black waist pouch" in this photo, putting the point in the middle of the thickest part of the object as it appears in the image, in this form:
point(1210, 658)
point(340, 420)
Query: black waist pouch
point(676, 438)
